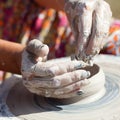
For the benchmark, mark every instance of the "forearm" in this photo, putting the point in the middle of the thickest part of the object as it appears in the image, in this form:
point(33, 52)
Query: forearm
point(55, 4)
point(10, 56)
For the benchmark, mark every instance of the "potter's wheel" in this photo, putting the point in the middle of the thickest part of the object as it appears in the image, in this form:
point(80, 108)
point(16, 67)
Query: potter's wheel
point(27, 106)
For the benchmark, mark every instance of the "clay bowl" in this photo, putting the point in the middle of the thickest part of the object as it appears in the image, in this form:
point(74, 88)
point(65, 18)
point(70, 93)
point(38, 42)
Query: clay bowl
point(101, 101)
point(95, 89)
point(89, 92)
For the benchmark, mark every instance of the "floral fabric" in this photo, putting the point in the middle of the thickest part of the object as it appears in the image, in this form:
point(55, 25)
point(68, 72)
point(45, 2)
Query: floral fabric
point(112, 45)
point(23, 20)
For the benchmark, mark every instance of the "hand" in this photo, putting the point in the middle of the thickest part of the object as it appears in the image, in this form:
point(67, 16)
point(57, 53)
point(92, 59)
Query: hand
point(90, 21)
point(58, 80)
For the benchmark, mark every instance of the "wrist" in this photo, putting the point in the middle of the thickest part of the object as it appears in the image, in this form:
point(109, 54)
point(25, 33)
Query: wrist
point(10, 56)
point(18, 59)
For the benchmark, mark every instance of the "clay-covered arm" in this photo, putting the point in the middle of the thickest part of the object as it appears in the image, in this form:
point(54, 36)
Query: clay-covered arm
point(56, 4)
point(10, 56)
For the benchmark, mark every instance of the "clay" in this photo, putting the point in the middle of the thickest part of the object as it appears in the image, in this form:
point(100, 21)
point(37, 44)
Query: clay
point(61, 79)
point(86, 85)
point(21, 101)
point(104, 105)
point(90, 22)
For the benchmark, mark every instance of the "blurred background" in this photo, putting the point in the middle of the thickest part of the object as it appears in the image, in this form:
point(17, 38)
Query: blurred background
point(49, 26)
point(115, 6)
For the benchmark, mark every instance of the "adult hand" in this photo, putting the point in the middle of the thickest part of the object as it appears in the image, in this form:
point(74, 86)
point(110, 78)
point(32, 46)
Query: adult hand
point(58, 80)
point(90, 21)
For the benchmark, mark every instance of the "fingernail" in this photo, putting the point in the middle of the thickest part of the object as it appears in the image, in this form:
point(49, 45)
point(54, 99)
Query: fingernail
point(88, 74)
point(80, 65)
point(80, 92)
point(85, 74)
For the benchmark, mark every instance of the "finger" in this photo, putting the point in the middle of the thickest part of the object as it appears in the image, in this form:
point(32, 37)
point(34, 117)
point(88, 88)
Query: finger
point(38, 90)
point(59, 81)
point(65, 67)
point(69, 95)
point(100, 27)
point(49, 93)
point(72, 88)
point(71, 77)
point(53, 69)
point(42, 69)
point(30, 67)
point(37, 48)
point(83, 24)
point(65, 92)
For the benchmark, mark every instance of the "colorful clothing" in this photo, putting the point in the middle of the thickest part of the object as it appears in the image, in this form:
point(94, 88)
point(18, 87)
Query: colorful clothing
point(112, 45)
point(23, 20)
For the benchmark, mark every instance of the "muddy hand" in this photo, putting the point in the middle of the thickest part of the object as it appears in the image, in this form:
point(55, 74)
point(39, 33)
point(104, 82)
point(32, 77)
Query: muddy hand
point(90, 21)
point(58, 80)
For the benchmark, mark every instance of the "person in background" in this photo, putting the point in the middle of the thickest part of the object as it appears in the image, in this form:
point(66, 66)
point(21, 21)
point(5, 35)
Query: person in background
point(24, 20)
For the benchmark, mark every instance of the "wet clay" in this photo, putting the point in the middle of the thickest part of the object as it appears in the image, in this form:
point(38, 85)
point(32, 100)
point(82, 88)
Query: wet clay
point(90, 22)
point(23, 105)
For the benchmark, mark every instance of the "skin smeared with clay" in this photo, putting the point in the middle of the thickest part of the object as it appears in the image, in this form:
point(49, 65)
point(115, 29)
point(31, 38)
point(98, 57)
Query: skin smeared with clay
point(90, 21)
point(51, 79)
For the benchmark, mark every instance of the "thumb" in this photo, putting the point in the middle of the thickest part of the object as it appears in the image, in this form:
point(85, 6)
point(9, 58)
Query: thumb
point(37, 48)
